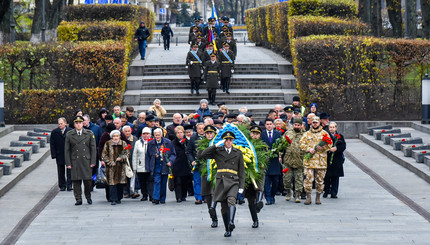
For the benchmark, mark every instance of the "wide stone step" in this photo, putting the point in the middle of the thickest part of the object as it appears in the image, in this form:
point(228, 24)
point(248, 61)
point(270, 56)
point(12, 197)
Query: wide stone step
point(43, 140)
point(7, 166)
point(34, 144)
point(418, 155)
point(185, 72)
point(386, 138)
point(16, 158)
point(26, 151)
point(40, 134)
point(372, 129)
point(186, 85)
point(407, 148)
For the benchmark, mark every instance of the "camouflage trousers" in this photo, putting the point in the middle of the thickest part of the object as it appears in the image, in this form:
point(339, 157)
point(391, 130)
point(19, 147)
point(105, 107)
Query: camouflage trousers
point(297, 173)
point(317, 175)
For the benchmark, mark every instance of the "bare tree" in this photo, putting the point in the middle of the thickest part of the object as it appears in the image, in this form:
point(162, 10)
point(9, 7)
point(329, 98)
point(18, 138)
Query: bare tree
point(425, 10)
point(5, 16)
point(394, 8)
point(52, 20)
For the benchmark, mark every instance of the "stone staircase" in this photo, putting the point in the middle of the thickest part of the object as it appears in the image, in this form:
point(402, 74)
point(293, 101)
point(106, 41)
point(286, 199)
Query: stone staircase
point(407, 146)
point(257, 86)
point(180, 34)
point(20, 153)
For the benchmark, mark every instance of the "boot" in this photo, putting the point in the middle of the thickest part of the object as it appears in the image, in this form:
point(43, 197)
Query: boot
point(232, 212)
point(225, 219)
point(227, 87)
point(253, 215)
point(297, 197)
point(212, 213)
point(213, 98)
point(317, 199)
point(259, 202)
point(192, 91)
point(288, 195)
point(308, 198)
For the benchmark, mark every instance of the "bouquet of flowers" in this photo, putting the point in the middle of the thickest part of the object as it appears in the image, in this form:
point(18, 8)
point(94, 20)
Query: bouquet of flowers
point(280, 145)
point(337, 136)
point(325, 141)
point(124, 151)
point(280, 130)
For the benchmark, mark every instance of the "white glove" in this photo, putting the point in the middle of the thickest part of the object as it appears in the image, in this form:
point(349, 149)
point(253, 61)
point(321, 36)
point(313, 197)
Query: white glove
point(201, 71)
point(219, 82)
point(191, 62)
point(240, 191)
point(219, 143)
point(186, 67)
point(232, 71)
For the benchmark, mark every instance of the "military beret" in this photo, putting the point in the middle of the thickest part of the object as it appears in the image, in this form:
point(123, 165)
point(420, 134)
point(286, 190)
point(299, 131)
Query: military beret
point(210, 128)
point(289, 109)
point(298, 120)
point(78, 119)
point(324, 116)
point(228, 135)
point(256, 129)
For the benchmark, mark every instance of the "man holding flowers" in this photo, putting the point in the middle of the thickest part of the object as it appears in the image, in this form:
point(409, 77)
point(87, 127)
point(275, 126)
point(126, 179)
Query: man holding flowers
point(315, 142)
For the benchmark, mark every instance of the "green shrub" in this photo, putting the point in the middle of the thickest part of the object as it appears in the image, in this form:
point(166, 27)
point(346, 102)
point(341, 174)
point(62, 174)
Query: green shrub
point(361, 78)
point(94, 31)
point(46, 106)
point(329, 8)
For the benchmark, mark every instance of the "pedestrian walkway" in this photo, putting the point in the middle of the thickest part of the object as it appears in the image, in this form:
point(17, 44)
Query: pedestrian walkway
point(364, 213)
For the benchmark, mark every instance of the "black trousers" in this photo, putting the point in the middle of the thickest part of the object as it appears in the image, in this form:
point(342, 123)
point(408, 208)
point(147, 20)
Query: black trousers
point(331, 185)
point(146, 182)
point(195, 83)
point(77, 188)
point(181, 183)
point(166, 41)
point(116, 192)
point(225, 84)
point(211, 95)
point(62, 181)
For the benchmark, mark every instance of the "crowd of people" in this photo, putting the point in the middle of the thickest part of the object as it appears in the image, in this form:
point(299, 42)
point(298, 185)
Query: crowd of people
point(145, 154)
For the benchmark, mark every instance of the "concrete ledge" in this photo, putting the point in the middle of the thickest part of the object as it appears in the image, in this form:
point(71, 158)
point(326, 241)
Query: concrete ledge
point(353, 129)
point(14, 179)
point(420, 169)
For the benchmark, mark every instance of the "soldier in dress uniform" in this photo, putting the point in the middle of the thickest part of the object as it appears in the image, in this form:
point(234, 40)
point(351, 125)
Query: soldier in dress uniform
point(206, 187)
point(210, 26)
point(80, 154)
point(207, 53)
point(211, 76)
point(201, 43)
point(196, 24)
point(226, 58)
point(195, 67)
point(231, 42)
point(230, 177)
point(192, 37)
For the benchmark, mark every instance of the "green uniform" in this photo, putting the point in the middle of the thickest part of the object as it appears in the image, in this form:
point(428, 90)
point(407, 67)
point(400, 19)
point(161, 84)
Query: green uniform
point(293, 159)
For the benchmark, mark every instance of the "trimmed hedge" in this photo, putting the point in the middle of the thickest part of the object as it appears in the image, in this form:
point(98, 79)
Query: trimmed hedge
point(63, 65)
point(361, 78)
point(328, 8)
point(300, 26)
point(46, 106)
point(94, 31)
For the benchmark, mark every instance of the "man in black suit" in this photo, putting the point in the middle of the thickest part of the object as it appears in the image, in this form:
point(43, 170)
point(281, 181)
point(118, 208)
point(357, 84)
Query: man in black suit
point(269, 136)
point(58, 137)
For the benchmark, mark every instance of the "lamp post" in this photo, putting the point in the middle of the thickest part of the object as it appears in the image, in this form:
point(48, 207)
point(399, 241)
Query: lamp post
point(12, 24)
point(43, 21)
point(2, 124)
point(425, 100)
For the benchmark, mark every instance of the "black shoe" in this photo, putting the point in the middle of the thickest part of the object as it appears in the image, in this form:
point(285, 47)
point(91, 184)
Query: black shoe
point(255, 224)
point(212, 213)
point(69, 189)
point(198, 92)
point(142, 58)
point(278, 193)
point(241, 202)
point(325, 195)
point(161, 202)
point(113, 203)
point(183, 199)
point(155, 201)
point(62, 188)
point(232, 212)
point(214, 223)
point(197, 202)
point(179, 200)
point(228, 92)
point(77, 203)
point(269, 203)
point(118, 202)
point(259, 206)
point(227, 234)
point(333, 196)
point(144, 199)
point(151, 199)
point(89, 201)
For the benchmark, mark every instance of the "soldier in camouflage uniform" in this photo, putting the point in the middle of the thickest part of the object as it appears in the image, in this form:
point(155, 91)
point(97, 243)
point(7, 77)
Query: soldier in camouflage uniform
point(316, 166)
point(293, 160)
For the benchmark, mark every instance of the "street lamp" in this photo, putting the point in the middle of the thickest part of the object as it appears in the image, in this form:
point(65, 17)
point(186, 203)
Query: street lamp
point(425, 100)
point(2, 124)
point(12, 24)
point(43, 21)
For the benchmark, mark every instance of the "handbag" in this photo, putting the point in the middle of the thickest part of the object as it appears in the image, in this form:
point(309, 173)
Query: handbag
point(101, 181)
point(171, 184)
point(128, 171)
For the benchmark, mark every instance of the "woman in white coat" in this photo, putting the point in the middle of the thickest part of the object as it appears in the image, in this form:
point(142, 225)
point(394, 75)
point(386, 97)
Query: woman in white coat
point(146, 181)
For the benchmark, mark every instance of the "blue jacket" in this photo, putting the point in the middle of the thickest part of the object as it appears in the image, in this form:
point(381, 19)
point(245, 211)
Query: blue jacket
point(96, 131)
point(274, 167)
point(203, 112)
point(151, 155)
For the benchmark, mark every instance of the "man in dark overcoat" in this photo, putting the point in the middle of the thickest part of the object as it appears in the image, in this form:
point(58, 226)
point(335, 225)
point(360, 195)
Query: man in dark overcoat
point(230, 177)
point(269, 136)
point(194, 64)
point(81, 155)
point(211, 76)
point(57, 141)
point(226, 58)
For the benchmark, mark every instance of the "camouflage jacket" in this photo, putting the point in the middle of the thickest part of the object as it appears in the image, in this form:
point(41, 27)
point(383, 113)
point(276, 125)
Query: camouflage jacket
point(310, 139)
point(293, 157)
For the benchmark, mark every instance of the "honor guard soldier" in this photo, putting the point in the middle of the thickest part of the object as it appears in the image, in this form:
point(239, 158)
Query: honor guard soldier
point(80, 154)
point(201, 43)
point(207, 53)
point(227, 67)
point(231, 42)
point(230, 177)
point(193, 35)
point(210, 26)
point(211, 76)
point(196, 24)
point(195, 67)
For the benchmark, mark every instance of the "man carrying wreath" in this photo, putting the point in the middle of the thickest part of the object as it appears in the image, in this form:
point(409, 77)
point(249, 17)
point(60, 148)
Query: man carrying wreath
point(315, 142)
